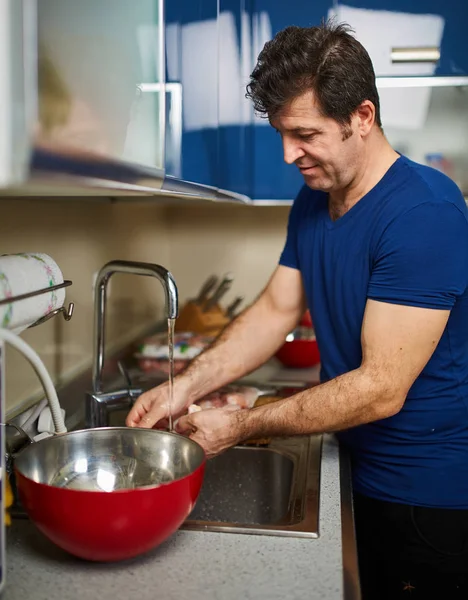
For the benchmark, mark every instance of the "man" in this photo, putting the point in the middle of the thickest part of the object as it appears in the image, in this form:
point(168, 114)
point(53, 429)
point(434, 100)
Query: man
point(377, 248)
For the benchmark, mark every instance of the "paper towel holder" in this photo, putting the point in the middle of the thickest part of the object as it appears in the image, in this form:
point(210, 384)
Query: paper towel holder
point(67, 312)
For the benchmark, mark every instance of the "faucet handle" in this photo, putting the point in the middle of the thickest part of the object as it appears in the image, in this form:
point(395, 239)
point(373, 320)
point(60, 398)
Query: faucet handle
point(100, 404)
point(126, 375)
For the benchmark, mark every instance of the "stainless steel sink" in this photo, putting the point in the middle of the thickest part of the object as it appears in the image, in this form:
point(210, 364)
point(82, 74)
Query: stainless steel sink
point(249, 486)
point(270, 491)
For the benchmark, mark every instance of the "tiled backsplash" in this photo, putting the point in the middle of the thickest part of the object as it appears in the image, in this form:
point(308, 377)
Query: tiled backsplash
point(82, 235)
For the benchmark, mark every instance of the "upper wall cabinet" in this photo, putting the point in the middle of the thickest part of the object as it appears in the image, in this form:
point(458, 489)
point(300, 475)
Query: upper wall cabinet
point(192, 68)
point(424, 38)
point(148, 97)
point(421, 37)
point(271, 178)
point(74, 114)
point(85, 106)
point(18, 95)
point(212, 47)
point(93, 58)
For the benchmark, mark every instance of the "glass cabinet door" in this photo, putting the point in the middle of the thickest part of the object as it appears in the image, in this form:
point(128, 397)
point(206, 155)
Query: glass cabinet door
point(94, 56)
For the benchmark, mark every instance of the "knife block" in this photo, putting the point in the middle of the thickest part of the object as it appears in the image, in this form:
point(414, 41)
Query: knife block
point(192, 318)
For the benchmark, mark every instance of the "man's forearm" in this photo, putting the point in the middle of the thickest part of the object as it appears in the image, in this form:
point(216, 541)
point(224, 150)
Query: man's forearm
point(349, 400)
point(248, 342)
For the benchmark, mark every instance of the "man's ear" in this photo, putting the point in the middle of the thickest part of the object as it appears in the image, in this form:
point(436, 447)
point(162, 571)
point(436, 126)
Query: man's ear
point(365, 114)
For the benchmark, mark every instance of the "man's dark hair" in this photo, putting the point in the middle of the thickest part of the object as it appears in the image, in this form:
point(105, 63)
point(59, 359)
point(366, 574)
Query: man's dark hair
point(326, 59)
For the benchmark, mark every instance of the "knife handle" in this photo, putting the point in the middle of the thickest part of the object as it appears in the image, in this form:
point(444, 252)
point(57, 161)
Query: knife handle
point(206, 289)
point(219, 293)
point(231, 309)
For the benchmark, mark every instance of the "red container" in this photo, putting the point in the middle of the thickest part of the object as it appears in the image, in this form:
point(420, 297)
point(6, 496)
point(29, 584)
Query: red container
point(107, 526)
point(306, 319)
point(300, 349)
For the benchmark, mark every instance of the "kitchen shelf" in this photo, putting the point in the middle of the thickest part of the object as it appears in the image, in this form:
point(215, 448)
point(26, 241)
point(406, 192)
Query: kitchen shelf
point(422, 81)
point(290, 202)
point(82, 174)
point(272, 202)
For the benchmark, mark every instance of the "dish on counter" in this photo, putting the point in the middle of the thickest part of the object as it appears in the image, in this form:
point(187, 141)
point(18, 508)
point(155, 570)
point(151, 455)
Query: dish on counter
point(153, 353)
point(300, 349)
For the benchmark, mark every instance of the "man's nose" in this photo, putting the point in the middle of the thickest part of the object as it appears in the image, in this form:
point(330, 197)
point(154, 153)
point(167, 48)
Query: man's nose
point(292, 151)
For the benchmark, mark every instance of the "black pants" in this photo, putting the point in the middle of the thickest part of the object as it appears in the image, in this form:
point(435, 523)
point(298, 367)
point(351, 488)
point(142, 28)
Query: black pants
point(410, 551)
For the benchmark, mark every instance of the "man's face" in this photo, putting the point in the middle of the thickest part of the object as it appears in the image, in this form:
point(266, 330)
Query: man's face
point(326, 153)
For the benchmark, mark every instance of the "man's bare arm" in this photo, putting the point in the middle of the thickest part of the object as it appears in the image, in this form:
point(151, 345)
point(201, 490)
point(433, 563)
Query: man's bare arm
point(397, 343)
point(253, 337)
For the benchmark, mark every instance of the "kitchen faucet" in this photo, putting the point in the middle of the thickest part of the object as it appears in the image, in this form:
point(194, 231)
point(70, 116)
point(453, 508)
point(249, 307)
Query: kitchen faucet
point(99, 403)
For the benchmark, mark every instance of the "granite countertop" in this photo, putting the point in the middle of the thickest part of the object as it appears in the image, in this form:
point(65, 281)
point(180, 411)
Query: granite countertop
point(202, 565)
point(192, 565)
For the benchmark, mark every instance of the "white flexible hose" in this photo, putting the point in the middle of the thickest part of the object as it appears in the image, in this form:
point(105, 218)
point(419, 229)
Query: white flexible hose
point(49, 388)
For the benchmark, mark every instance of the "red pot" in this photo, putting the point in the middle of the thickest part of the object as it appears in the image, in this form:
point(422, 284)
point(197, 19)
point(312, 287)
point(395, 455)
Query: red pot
point(306, 320)
point(110, 525)
point(300, 349)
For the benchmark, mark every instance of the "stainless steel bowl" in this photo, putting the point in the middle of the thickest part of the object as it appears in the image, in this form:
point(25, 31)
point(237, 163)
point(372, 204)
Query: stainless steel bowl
point(110, 458)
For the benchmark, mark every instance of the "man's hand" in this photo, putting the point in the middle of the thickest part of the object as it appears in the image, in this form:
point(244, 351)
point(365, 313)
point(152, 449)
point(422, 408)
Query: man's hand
point(153, 407)
point(215, 429)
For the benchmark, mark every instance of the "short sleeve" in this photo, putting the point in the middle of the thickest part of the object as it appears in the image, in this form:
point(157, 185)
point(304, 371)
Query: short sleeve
point(422, 258)
point(290, 256)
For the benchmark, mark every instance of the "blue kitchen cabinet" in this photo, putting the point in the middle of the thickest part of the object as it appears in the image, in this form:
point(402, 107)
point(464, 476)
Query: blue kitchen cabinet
point(272, 178)
point(294, 12)
point(204, 54)
point(191, 62)
point(212, 46)
point(235, 141)
point(454, 44)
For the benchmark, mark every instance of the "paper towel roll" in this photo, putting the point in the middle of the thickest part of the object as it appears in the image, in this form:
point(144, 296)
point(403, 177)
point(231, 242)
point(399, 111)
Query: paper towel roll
point(23, 273)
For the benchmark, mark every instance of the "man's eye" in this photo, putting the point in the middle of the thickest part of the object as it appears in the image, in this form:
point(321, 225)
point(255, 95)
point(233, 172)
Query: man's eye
point(307, 138)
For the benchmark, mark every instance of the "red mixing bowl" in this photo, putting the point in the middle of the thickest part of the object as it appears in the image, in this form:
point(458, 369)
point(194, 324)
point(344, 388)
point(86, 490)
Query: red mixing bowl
point(306, 320)
point(111, 493)
point(300, 349)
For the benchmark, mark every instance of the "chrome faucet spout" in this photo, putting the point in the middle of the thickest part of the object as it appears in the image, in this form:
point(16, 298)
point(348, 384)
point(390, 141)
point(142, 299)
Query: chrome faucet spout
point(134, 268)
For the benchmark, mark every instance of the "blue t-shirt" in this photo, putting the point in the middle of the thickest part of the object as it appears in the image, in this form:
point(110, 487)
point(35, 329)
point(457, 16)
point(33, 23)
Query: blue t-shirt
point(405, 242)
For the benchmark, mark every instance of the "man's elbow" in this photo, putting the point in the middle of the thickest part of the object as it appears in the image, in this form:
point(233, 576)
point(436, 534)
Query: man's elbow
point(386, 396)
point(391, 405)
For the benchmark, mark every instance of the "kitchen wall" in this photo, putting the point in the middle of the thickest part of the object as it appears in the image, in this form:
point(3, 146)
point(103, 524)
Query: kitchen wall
point(83, 234)
point(245, 240)
point(443, 130)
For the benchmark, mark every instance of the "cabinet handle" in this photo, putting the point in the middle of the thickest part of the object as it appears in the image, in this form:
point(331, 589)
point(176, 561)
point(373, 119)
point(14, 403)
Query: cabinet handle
point(429, 54)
